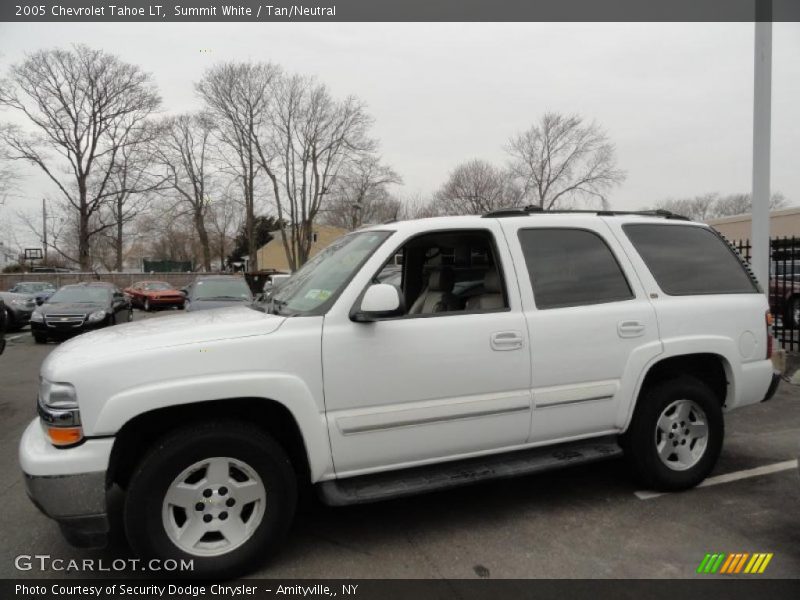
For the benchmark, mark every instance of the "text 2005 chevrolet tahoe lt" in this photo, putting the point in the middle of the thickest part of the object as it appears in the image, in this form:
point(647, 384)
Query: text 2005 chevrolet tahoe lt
point(504, 345)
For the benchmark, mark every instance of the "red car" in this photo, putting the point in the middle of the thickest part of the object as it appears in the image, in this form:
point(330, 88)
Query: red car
point(154, 294)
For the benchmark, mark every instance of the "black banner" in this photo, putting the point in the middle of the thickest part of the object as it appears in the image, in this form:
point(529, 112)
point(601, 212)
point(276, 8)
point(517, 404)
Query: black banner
point(732, 588)
point(399, 10)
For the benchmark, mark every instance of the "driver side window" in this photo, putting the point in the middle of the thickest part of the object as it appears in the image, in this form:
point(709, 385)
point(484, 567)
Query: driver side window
point(447, 272)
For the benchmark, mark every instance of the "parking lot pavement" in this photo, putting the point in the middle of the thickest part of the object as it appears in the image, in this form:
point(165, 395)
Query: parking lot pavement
point(581, 522)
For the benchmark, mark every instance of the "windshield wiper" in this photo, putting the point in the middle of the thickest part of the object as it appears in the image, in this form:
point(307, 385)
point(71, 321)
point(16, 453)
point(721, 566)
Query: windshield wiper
point(224, 298)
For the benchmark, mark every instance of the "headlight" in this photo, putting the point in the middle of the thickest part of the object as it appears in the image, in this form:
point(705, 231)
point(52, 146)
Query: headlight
point(37, 317)
point(19, 301)
point(97, 316)
point(59, 414)
point(57, 395)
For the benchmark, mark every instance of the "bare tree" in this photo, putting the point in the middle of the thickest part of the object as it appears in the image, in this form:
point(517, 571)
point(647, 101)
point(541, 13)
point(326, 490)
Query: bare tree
point(561, 159)
point(224, 218)
point(714, 205)
point(475, 187)
point(8, 176)
point(85, 105)
point(360, 194)
point(308, 140)
point(239, 96)
point(184, 150)
point(132, 185)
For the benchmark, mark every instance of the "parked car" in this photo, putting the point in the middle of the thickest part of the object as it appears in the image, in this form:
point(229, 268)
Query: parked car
point(150, 295)
point(2, 325)
point(18, 309)
point(40, 290)
point(784, 291)
point(272, 284)
point(79, 308)
point(592, 336)
point(217, 291)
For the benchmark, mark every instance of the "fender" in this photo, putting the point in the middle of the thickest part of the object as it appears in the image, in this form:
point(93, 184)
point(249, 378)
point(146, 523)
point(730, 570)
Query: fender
point(287, 389)
point(722, 346)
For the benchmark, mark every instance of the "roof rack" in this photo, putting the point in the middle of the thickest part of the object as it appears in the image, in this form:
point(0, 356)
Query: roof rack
point(522, 211)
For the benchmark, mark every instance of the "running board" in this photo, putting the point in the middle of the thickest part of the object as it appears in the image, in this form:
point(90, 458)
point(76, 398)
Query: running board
point(442, 476)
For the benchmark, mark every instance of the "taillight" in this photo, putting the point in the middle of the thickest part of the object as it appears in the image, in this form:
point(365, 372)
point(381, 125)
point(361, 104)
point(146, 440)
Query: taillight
point(768, 320)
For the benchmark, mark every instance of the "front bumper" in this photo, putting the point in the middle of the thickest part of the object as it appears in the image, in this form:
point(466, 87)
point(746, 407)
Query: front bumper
point(67, 331)
point(68, 485)
point(20, 316)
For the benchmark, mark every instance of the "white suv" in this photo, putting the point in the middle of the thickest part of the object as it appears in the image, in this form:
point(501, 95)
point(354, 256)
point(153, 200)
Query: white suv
point(514, 342)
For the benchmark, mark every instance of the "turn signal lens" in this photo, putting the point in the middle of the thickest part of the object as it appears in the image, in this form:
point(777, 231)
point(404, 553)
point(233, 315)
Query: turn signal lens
point(64, 436)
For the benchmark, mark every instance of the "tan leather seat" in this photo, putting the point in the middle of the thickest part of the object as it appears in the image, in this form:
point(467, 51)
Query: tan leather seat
point(492, 296)
point(437, 295)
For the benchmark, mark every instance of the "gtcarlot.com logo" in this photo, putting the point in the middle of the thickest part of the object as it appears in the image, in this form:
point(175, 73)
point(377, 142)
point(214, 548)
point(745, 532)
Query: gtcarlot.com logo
point(735, 563)
point(45, 562)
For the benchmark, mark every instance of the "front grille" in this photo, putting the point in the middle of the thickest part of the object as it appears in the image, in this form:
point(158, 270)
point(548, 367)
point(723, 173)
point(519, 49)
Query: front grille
point(64, 320)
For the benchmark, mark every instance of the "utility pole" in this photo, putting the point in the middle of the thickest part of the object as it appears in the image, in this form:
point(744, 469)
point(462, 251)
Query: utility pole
point(44, 228)
point(762, 101)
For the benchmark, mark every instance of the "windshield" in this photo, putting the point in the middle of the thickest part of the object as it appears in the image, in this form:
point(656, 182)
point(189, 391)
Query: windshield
point(221, 289)
point(32, 288)
point(325, 275)
point(67, 295)
point(155, 286)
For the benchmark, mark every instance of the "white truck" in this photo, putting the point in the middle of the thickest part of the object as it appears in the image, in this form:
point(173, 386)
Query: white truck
point(514, 342)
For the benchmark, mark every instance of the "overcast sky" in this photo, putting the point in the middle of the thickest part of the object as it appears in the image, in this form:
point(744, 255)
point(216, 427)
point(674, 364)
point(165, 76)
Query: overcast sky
point(676, 99)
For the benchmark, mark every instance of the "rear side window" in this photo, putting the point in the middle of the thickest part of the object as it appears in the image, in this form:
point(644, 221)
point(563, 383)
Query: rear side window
point(687, 260)
point(571, 267)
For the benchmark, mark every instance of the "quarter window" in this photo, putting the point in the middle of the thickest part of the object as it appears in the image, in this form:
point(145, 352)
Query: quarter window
point(687, 260)
point(571, 267)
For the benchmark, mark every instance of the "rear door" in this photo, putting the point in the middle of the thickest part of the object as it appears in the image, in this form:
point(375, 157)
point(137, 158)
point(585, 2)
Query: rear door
point(591, 327)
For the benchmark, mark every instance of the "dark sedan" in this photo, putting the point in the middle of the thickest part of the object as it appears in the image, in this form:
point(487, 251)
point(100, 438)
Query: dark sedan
point(217, 291)
point(78, 308)
point(18, 309)
point(40, 290)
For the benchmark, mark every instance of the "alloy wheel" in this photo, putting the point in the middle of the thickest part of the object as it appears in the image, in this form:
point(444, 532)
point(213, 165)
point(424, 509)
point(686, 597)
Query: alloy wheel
point(214, 506)
point(681, 435)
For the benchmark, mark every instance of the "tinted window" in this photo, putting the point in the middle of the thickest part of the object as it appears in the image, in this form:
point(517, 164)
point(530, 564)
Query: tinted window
point(571, 267)
point(690, 260)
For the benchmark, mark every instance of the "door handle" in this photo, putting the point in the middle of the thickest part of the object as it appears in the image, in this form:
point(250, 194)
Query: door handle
point(506, 340)
point(630, 329)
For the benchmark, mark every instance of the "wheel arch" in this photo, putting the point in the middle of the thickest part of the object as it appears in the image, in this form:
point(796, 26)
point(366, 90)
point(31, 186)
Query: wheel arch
point(713, 369)
point(138, 434)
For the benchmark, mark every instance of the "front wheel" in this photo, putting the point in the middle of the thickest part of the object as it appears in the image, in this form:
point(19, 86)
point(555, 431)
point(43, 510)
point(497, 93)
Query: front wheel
point(221, 494)
point(39, 338)
point(675, 437)
point(147, 306)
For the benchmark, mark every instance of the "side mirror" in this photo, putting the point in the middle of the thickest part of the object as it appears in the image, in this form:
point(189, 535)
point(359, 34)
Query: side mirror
point(39, 301)
point(380, 301)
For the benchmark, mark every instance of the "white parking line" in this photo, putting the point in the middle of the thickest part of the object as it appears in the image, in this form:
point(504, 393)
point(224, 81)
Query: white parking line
point(15, 337)
point(728, 477)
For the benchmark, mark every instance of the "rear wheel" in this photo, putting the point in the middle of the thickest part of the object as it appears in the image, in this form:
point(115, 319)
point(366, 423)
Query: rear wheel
point(147, 306)
point(676, 434)
point(222, 494)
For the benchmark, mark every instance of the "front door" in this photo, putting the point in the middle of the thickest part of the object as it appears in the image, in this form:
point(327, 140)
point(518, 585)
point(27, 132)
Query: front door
point(449, 381)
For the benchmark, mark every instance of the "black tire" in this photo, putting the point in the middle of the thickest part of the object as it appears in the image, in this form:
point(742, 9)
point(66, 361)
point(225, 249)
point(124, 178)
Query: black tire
point(793, 312)
point(39, 339)
point(639, 442)
point(146, 305)
point(181, 449)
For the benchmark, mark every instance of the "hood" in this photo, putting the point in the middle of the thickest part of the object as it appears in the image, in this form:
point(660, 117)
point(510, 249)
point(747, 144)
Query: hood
point(79, 308)
point(198, 305)
point(9, 296)
point(163, 332)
